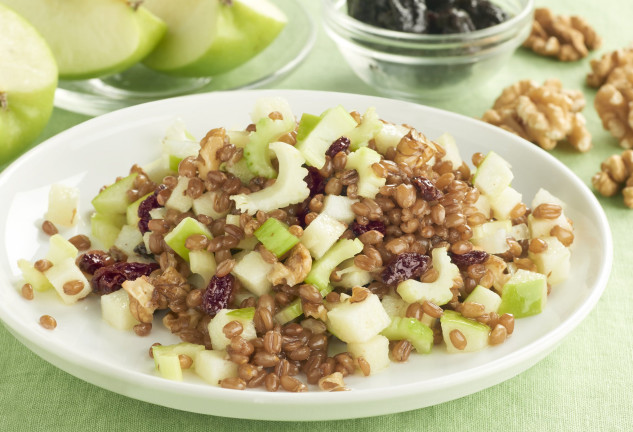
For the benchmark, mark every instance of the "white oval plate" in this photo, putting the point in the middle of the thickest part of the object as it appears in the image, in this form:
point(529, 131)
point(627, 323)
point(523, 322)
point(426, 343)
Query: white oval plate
point(94, 153)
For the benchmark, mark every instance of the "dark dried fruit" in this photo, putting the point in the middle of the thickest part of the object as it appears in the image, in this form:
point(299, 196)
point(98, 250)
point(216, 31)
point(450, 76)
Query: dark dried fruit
point(315, 182)
point(450, 20)
point(359, 229)
point(108, 279)
point(468, 258)
point(340, 145)
point(399, 15)
point(427, 189)
point(218, 294)
point(405, 266)
point(483, 13)
point(93, 260)
point(147, 205)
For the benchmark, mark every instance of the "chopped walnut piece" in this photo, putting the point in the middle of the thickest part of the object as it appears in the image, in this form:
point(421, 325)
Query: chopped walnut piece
point(613, 103)
point(543, 114)
point(601, 68)
point(294, 269)
point(207, 159)
point(415, 149)
point(569, 38)
point(616, 171)
point(140, 292)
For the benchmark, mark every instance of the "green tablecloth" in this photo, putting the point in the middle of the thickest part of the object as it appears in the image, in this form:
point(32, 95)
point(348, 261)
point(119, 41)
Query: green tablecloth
point(584, 385)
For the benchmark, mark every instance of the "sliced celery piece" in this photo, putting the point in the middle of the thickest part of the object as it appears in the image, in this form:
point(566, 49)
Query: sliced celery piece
point(256, 153)
point(275, 237)
point(411, 329)
point(294, 309)
point(319, 275)
point(368, 128)
point(244, 313)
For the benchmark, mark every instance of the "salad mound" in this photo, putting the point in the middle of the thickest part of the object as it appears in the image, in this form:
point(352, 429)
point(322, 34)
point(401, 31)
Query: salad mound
point(259, 247)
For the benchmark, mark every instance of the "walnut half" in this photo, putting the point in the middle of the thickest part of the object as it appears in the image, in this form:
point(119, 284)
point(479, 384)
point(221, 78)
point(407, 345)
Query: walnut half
point(140, 292)
point(614, 102)
point(616, 171)
point(569, 38)
point(543, 114)
point(294, 269)
point(601, 68)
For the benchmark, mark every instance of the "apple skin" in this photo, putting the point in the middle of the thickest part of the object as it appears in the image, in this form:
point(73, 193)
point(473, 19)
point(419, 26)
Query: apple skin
point(26, 96)
point(82, 52)
point(241, 33)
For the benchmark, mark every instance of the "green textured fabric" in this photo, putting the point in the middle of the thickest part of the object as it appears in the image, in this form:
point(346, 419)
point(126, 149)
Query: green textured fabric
point(584, 385)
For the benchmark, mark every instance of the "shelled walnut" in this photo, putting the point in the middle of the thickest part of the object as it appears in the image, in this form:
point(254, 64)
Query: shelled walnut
point(601, 68)
point(616, 171)
point(613, 103)
point(569, 38)
point(543, 114)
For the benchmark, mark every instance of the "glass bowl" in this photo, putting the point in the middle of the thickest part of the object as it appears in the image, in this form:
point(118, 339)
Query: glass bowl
point(426, 67)
point(140, 84)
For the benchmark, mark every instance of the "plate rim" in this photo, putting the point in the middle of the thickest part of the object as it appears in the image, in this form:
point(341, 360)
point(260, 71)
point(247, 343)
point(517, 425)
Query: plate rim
point(510, 361)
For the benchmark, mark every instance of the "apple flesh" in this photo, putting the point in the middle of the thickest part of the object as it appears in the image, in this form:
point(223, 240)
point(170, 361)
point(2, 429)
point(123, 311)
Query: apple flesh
point(28, 78)
point(210, 37)
point(93, 38)
point(525, 294)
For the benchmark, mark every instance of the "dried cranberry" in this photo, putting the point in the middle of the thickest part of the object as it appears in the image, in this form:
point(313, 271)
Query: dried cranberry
point(218, 294)
point(469, 258)
point(147, 205)
point(427, 189)
point(340, 145)
point(108, 279)
point(315, 182)
point(93, 260)
point(359, 229)
point(405, 266)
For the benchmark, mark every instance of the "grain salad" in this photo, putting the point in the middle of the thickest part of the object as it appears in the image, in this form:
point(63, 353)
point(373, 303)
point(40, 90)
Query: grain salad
point(259, 247)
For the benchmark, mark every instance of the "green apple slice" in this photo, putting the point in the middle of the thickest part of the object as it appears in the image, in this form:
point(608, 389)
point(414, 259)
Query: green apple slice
point(28, 77)
point(209, 37)
point(93, 38)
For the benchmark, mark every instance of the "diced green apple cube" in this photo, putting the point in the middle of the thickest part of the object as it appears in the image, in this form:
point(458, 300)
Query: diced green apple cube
point(114, 199)
point(167, 362)
point(483, 205)
point(178, 236)
point(115, 310)
point(374, 351)
point(503, 204)
point(359, 321)
point(252, 271)
point(394, 305)
point(205, 204)
point(63, 204)
point(213, 366)
point(390, 136)
point(168, 366)
point(488, 298)
point(179, 200)
point(266, 105)
point(202, 262)
point(439, 291)
point(524, 294)
point(352, 276)
point(543, 227)
point(321, 234)
point(545, 197)
point(493, 175)
point(475, 333)
point(222, 318)
point(492, 236)
point(447, 141)
point(67, 271)
point(128, 239)
point(34, 277)
point(105, 228)
point(333, 124)
point(520, 232)
point(339, 207)
point(59, 249)
point(132, 210)
point(554, 262)
point(368, 181)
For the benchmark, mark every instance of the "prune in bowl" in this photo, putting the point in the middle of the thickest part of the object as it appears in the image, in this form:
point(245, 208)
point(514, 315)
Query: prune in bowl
point(397, 56)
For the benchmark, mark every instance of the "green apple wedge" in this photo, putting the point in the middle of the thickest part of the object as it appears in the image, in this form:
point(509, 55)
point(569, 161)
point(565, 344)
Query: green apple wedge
point(209, 37)
point(93, 38)
point(28, 77)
